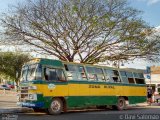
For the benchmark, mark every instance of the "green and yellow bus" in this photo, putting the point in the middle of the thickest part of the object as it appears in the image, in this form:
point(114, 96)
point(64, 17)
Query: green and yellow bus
point(58, 86)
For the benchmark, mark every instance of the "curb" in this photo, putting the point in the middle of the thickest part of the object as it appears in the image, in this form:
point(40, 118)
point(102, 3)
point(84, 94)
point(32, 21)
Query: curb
point(15, 110)
point(156, 105)
point(142, 105)
point(138, 105)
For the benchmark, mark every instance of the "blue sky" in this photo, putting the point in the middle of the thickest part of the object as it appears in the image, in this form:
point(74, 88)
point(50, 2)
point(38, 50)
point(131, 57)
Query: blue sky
point(151, 9)
point(5, 3)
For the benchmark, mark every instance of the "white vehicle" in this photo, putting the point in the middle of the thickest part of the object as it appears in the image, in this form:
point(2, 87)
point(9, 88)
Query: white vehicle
point(4, 87)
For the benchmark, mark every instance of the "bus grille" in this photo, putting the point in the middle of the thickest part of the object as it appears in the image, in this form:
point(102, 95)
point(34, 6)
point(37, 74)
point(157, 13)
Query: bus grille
point(23, 95)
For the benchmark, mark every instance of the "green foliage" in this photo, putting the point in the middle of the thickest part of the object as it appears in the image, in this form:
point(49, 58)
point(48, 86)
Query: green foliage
point(11, 64)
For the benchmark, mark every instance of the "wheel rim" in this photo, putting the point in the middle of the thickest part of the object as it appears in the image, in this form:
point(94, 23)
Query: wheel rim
point(55, 106)
point(121, 103)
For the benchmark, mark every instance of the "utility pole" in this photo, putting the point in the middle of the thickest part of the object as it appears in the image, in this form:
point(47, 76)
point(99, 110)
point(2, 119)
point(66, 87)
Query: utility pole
point(148, 72)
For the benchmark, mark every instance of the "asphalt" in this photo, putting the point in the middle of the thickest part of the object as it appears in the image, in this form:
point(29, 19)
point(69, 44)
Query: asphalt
point(15, 109)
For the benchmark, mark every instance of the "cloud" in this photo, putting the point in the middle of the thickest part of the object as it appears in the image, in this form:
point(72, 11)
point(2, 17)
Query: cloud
point(150, 2)
point(158, 27)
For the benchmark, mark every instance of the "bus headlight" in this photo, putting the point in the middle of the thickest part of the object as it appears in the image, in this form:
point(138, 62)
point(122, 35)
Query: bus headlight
point(32, 87)
point(32, 96)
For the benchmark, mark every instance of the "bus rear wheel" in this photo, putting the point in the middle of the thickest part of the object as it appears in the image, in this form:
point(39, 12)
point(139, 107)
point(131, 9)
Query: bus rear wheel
point(121, 105)
point(56, 106)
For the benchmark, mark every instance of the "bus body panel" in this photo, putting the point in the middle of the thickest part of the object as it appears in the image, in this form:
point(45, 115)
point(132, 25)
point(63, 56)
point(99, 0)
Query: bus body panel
point(91, 94)
point(83, 93)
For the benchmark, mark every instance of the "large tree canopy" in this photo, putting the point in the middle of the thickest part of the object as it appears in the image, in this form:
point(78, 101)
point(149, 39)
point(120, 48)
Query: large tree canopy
point(11, 64)
point(89, 31)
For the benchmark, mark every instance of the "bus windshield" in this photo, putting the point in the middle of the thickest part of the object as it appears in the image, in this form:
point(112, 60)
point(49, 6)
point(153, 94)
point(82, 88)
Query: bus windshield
point(31, 72)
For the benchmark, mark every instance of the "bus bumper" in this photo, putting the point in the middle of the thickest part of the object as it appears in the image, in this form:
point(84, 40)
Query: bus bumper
point(31, 105)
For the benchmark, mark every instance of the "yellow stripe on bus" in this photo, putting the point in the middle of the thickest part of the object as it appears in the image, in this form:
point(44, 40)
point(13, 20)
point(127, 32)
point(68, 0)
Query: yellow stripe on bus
point(90, 90)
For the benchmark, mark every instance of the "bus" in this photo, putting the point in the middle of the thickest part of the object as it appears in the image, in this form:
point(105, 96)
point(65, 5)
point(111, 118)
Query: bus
point(58, 86)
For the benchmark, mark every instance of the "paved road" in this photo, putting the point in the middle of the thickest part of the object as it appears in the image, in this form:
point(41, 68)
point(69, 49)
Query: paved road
point(8, 100)
point(133, 113)
point(143, 113)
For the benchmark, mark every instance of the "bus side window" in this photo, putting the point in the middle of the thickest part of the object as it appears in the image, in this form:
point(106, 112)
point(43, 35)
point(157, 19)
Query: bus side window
point(130, 77)
point(124, 76)
point(107, 75)
point(139, 78)
point(116, 77)
point(60, 75)
point(45, 74)
point(91, 73)
point(139, 81)
point(113, 74)
point(82, 74)
point(69, 74)
point(71, 71)
point(52, 74)
point(100, 74)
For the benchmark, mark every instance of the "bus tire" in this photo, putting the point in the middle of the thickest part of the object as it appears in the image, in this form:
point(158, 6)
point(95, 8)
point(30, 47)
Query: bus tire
point(121, 105)
point(56, 106)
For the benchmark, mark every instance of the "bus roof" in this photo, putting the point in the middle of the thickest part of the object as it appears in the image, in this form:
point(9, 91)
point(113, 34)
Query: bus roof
point(59, 63)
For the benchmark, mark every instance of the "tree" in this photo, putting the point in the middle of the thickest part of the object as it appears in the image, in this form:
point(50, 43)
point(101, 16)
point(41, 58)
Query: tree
point(89, 31)
point(11, 64)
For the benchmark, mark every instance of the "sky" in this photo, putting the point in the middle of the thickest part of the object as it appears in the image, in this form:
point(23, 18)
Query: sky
point(151, 10)
point(151, 14)
point(4, 4)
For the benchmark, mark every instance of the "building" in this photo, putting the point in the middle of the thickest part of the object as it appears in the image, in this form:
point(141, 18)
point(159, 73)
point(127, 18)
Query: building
point(153, 78)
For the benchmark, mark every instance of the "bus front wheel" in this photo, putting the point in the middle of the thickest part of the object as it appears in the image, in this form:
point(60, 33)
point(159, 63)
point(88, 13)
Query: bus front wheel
point(121, 105)
point(56, 106)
